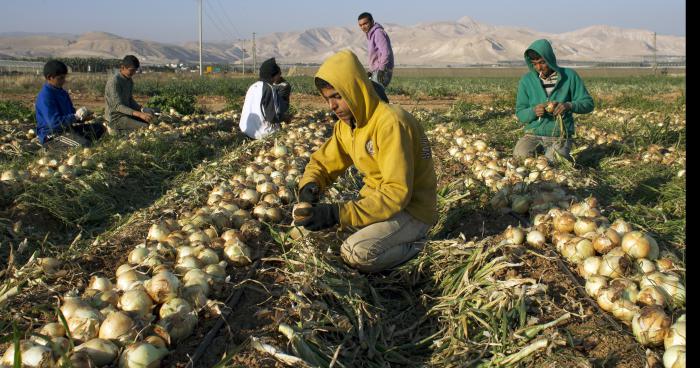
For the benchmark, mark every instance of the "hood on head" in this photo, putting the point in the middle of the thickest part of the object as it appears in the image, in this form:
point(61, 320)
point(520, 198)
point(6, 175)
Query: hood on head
point(544, 48)
point(346, 74)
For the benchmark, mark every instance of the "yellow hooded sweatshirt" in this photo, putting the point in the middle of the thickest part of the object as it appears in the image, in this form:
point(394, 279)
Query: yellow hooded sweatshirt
point(388, 146)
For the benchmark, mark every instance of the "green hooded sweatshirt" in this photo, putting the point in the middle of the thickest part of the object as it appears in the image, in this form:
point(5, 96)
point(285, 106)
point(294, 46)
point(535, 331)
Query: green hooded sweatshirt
point(569, 88)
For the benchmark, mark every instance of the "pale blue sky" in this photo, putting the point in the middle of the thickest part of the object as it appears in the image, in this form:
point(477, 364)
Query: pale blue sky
point(175, 21)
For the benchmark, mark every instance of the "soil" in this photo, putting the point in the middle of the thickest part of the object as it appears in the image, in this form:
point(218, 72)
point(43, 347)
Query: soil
point(216, 104)
point(589, 334)
point(590, 338)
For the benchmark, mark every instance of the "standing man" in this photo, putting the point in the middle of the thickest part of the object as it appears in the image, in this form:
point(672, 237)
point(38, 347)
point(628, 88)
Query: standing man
point(381, 57)
point(122, 112)
point(57, 122)
point(548, 95)
point(266, 103)
point(397, 204)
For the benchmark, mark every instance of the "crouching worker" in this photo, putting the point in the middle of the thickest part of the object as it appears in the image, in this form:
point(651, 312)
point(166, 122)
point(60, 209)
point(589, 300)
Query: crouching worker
point(266, 103)
point(397, 204)
point(548, 95)
point(122, 112)
point(58, 125)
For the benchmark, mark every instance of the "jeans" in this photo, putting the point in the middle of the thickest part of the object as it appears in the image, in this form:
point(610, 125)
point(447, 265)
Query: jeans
point(385, 244)
point(382, 77)
point(529, 145)
point(125, 124)
point(77, 135)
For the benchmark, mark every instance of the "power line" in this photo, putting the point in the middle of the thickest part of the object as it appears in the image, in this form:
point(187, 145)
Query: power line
point(216, 23)
point(230, 22)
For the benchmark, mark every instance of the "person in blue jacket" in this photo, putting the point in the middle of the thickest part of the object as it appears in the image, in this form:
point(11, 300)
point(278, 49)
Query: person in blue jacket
point(58, 124)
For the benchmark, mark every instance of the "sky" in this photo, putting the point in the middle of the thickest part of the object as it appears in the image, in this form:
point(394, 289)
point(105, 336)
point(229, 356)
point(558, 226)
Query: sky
point(175, 21)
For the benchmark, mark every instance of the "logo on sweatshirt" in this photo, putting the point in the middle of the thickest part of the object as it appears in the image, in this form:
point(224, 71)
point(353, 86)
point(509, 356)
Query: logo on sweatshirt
point(426, 152)
point(369, 146)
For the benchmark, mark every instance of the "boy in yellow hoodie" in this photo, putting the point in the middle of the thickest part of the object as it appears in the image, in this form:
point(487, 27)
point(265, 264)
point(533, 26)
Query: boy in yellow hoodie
point(397, 204)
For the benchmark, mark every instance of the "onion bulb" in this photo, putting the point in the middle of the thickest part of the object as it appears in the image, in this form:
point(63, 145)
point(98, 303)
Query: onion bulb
point(119, 327)
point(514, 235)
point(614, 266)
point(606, 298)
point(237, 252)
point(138, 255)
point(605, 242)
point(640, 245)
point(208, 256)
point(141, 355)
point(174, 306)
point(669, 283)
point(577, 249)
point(53, 329)
point(595, 284)
point(84, 326)
point(651, 295)
point(187, 263)
point(651, 325)
point(279, 150)
point(297, 217)
point(130, 279)
point(102, 351)
point(564, 222)
point(520, 203)
point(158, 232)
point(621, 226)
point(100, 283)
point(676, 335)
point(37, 356)
point(177, 318)
point(589, 267)
point(231, 234)
point(162, 287)
point(8, 357)
point(624, 310)
point(627, 289)
point(559, 239)
point(77, 359)
point(665, 264)
point(216, 271)
point(535, 238)
point(249, 196)
point(136, 301)
point(198, 278)
point(584, 225)
point(102, 299)
point(645, 266)
point(674, 357)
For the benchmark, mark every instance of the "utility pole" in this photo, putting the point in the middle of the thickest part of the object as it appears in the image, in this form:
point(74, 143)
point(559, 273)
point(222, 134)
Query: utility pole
point(243, 57)
point(255, 60)
point(200, 37)
point(654, 53)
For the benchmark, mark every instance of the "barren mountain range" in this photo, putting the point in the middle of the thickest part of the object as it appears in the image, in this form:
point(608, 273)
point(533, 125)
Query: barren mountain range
point(464, 42)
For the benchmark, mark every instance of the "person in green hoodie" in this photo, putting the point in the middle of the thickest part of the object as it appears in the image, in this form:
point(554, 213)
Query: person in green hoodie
point(548, 95)
point(398, 203)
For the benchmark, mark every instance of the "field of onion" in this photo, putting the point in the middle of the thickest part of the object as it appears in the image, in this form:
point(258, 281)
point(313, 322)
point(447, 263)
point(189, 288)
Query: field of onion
point(173, 248)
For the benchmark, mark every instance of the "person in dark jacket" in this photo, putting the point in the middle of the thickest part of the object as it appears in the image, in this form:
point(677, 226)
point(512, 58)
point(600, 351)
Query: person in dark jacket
point(58, 124)
point(548, 95)
point(122, 112)
point(266, 103)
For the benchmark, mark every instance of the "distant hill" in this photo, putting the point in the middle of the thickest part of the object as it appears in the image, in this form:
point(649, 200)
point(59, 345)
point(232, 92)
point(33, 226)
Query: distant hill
point(464, 42)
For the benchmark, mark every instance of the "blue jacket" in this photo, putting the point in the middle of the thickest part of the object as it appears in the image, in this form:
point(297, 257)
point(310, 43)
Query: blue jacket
point(54, 111)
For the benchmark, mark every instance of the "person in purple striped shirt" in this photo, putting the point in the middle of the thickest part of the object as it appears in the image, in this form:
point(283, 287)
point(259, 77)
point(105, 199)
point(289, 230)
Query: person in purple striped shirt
point(381, 56)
